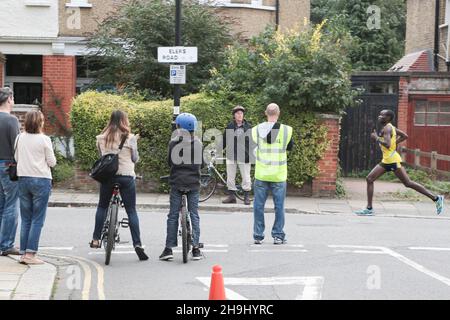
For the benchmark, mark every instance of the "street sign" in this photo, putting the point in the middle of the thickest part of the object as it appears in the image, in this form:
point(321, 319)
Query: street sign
point(177, 54)
point(177, 74)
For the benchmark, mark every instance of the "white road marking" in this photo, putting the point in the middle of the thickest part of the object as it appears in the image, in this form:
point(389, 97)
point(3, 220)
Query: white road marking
point(312, 285)
point(429, 248)
point(397, 256)
point(283, 245)
point(205, 250)
point(56, 248)
point(277, 250)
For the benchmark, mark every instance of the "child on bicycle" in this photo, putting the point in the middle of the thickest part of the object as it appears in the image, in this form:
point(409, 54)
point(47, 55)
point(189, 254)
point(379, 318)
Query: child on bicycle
point(185, 161)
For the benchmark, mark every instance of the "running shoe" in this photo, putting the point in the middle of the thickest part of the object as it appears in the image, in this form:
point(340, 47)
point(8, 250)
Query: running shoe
point(440, 204)
point(365, 212)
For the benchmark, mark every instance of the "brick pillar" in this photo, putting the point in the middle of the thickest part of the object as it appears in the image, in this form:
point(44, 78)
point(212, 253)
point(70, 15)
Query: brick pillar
point(324, 185)
point(403, 110)
point(59, 88)
point(403, 104)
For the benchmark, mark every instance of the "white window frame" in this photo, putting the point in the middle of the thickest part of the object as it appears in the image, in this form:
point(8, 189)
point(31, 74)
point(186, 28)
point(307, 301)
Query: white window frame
point(79, 4)
point(447, 13)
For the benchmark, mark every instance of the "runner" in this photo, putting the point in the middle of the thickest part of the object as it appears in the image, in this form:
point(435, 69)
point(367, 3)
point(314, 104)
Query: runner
point(388, 140)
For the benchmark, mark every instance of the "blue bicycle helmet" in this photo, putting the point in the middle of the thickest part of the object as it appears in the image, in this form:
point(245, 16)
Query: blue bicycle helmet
point(186, 121)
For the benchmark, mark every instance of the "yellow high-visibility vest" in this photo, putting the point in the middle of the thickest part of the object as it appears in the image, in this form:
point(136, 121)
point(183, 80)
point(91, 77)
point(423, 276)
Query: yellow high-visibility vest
point(271, 159)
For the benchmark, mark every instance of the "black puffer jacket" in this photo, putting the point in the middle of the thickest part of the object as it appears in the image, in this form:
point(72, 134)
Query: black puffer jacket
point(185, 170)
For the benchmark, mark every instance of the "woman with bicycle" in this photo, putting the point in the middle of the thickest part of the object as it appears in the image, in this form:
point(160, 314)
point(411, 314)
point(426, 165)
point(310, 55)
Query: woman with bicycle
point(185, 161)
point(118, 130)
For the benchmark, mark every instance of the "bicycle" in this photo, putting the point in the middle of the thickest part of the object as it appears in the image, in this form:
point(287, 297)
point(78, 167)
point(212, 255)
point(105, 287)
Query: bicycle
point(208, 180)
point(110, 233)
point(185, 230)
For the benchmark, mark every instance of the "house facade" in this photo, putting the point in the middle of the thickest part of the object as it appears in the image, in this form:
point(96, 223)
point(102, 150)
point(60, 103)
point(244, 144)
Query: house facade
point(42, 42)
point(424, 85)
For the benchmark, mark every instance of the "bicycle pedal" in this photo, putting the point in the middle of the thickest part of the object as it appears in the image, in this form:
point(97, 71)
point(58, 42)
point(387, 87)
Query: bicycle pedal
point(125, 223)
point(200, 245)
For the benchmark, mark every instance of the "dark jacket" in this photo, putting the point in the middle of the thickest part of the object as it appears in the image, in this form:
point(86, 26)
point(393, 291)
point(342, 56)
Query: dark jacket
point(241, 148)
point(185, 161)
point(9, 129)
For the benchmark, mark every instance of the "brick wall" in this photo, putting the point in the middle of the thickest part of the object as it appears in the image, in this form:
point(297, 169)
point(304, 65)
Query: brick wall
point(293, 13)
point(20, 111)
point(403, 104)
point(420, 23)
point(59, 83)
point(324, 185)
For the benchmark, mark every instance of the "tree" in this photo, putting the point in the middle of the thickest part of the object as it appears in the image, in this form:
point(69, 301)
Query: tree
point(379, 34)
point(305, 71)
point(126, 45)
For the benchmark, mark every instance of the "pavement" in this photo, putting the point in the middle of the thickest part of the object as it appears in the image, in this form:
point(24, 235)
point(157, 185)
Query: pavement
point(19, 282)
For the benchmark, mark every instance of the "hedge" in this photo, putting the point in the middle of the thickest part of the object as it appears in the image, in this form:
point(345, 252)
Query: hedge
point(152, 120)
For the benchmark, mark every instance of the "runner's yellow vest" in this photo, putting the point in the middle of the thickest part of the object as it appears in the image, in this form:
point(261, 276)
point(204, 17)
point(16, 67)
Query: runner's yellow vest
point(391, 155)
point(271, 159)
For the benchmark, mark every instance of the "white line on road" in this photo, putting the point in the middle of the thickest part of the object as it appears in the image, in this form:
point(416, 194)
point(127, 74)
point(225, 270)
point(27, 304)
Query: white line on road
point(429, 248)
point(284, 245)
point(399, 257)
point(312, 285)
point(205, 250)
point(56, 248)
point(277, 250)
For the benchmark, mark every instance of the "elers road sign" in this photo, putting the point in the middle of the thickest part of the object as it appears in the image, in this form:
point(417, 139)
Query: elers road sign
point(177, 54)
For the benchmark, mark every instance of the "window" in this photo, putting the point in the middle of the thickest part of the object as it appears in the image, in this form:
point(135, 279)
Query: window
point(447, 12)
point(383, 87)
point(23, 66)
point(79, 4)
point(432, 113)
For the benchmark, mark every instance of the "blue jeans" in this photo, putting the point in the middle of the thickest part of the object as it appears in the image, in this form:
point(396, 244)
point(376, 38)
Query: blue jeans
point(34, 194)
point(261, 191)
point(9, 208)
point(174, 213)
point(128, 194)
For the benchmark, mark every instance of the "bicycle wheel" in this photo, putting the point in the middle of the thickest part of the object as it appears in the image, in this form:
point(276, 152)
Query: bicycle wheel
point(111, 236)
point(184, 229)
point(208, 185)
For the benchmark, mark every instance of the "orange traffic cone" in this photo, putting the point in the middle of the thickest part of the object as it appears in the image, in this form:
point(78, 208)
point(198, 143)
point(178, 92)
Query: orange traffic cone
point(217, 288)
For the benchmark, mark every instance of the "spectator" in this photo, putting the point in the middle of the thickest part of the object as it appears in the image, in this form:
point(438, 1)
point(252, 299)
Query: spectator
point(9, 190)
point(35, 157)
point(118, 130)
point(273, 140)
point(237, 153)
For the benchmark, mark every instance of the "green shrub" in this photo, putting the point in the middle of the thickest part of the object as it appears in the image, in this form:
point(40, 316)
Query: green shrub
point(64, 169)
point(152, 120)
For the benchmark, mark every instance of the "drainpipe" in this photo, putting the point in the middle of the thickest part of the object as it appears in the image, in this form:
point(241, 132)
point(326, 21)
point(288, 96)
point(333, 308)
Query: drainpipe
point(436, 35)
point(277, 14)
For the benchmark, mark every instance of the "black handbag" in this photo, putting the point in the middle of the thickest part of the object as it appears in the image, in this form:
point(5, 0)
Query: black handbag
point(12, 167)
point(106, 167)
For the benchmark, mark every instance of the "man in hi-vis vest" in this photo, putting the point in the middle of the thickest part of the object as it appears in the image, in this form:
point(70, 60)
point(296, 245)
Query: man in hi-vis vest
point(273, 140)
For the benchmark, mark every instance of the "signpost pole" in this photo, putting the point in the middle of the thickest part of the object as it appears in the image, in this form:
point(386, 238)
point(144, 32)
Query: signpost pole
point(177, 88)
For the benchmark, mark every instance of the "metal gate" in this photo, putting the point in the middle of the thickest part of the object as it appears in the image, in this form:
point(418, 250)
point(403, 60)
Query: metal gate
point(357, 152)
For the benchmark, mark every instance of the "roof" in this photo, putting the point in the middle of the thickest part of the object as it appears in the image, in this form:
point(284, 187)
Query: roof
point(417, 61)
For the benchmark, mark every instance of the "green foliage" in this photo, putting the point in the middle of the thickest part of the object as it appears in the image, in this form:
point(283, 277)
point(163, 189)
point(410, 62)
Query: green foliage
point(340, 188)
point(152, 121)
point(64, 169)
point(293, 69)
point(127, 43)
point(376, 49)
